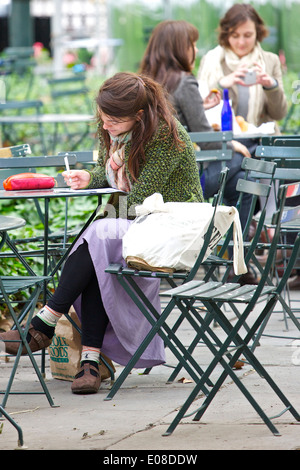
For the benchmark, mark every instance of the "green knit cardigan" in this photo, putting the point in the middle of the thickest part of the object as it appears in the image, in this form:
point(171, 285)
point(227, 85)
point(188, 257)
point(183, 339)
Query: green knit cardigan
point(168, 170)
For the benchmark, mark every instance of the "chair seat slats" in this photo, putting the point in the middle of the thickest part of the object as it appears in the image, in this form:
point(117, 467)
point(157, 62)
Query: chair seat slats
point(230, 292)
point(14, 284)
point(181, 289)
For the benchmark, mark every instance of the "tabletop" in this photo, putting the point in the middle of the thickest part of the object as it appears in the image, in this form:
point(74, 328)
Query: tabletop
point(10, 223)
point(47, 195)
point(54, 192)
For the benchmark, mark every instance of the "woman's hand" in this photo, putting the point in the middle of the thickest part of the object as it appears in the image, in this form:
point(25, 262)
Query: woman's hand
point(238, 147)
point(234, 78)
point(212, 99)
point(262, 78)
point(77, 179)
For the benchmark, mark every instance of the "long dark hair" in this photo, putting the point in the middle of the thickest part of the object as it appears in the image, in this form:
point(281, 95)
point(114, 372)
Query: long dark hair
point(141, 98)
point(166, 55)
point(237, 15)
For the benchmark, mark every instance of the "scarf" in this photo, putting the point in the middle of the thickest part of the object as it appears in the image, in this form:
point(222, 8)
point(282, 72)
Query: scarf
point(212, 72)
point(115, 165)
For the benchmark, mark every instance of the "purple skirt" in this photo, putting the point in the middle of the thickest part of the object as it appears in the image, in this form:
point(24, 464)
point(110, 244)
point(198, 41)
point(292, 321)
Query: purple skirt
point(127, 326)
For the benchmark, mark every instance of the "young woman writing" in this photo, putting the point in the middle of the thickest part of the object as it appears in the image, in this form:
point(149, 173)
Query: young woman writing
point(143, 150)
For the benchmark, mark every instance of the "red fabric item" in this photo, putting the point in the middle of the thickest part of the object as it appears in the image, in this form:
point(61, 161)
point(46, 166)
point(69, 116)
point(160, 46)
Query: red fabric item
point(28, 181)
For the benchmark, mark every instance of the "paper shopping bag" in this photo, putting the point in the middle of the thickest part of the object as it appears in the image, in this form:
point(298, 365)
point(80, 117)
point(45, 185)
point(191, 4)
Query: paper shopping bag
point(65, 350)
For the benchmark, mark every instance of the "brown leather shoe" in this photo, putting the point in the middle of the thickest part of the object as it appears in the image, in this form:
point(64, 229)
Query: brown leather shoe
point(280, 256)
point(294, 283)
point(247, 278)
point(87, 380)
point(37, 341)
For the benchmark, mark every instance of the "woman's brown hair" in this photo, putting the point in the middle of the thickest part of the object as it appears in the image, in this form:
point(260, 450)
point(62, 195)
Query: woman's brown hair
point(134, 96)
point(237, 15)
point(166, 55)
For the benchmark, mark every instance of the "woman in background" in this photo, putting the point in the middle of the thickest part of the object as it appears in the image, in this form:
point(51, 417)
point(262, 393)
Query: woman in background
point(259, 99)
point(241, 31)
point(169, 59)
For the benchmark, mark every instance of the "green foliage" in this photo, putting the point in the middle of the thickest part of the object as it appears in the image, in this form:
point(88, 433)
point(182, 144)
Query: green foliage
point(133, 20)
point(79, 208)
point(16, 88)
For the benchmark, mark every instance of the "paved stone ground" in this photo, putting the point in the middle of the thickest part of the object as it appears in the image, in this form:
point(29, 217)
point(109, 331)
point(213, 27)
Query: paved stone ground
point(143, 408)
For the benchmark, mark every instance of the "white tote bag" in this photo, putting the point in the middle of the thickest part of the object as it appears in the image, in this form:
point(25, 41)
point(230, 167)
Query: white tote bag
point(169, 236)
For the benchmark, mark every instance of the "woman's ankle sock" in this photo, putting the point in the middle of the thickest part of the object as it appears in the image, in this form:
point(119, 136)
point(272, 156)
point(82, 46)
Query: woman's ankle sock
point(49, 316)
point(45, 321)
point(91, 355)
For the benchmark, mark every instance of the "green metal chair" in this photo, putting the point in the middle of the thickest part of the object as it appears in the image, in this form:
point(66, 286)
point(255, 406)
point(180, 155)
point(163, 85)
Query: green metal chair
point(15, 151)
point(56, 241)
point(287, 159)
point(84, 157)
point(15, 425)
point(290, 222)
point(30, 288)
point(214, 296)
point(257, 189)
point(9, 286)
point(211, 155)
point(217, 266)
point(60, 90)
point(13, 133)
point(279, 150)
point(281, 140)
point(20, 64)
point(68, 86)
point(127, 279)
point(283, 156)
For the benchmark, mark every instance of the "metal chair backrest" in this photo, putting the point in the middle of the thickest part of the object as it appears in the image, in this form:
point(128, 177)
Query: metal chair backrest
point(278, 153)
point(34, 105)
point(12, 133)
point(222, 154)
point(62, 88)
point(290, 142)
point(255, 169)
point(86, 157)
point(286, 158)
point(257, 189)
point(20, 64)
point(287, 140)
point(217, 200)
point(15, 151)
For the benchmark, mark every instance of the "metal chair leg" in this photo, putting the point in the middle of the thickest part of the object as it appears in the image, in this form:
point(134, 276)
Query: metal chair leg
point(16, 426)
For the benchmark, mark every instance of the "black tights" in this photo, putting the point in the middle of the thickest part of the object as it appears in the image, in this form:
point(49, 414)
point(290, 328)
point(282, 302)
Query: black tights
point(79, 278)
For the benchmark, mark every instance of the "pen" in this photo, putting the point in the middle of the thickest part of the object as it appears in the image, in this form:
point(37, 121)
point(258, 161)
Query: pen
point(68, 168)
